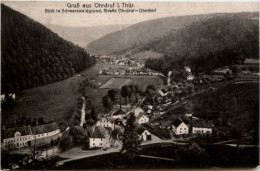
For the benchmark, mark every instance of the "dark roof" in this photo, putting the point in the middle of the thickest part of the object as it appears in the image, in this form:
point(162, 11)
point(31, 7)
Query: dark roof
point(202, 123)
point(153, 130)
point(141, 114)
point(118, 112)
point(63, 126)
point(100, 132)
point(140, 130)
point(177, 122)
point(9, 133)
point(40, 129)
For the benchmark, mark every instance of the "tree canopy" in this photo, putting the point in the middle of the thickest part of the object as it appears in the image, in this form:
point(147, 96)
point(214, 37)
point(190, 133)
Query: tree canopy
point(32, 55)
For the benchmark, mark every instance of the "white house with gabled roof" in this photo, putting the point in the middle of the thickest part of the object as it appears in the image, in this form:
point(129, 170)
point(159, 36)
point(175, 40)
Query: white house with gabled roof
point(179, 127)
point(138, 111)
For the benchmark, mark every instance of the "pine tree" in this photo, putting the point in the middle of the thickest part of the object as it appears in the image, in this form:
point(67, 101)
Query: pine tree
point(131, 141)
point(93, 114)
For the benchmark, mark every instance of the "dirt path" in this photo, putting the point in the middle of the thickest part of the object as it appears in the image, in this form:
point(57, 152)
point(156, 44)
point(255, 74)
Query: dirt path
point(154, 157)
point(83, 112)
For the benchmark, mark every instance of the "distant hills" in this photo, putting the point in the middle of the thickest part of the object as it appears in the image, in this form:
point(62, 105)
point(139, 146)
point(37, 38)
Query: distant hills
point(32, 55)
point(202, 41)
point(208, 44)
point(82, 36)
point(140, 34)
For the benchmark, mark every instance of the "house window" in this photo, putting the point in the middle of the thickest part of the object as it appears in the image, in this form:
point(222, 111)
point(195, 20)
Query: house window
point(93, 143)
point(100, 143)
point(101, 139)
point(93, 139)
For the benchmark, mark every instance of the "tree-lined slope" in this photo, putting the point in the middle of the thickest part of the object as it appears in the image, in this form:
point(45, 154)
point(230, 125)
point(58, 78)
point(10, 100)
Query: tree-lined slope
point(32, 55)
point(139, 35)
point(208, 44)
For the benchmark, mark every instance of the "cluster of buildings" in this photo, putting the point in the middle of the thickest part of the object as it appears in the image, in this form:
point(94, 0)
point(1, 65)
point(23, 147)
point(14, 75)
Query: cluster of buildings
point(5, 96)
point(130, 71)
point(217, 75)
point(26, 136)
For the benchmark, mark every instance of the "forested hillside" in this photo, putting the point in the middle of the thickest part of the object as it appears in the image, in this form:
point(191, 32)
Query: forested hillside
point(207, 44)
point(141, 33)
point(32, 55)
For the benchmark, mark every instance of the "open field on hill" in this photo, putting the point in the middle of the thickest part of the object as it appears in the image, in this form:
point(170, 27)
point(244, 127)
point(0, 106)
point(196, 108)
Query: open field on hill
point(116, 83)
point(49, 101)
point(142, 81)
point(54, 101)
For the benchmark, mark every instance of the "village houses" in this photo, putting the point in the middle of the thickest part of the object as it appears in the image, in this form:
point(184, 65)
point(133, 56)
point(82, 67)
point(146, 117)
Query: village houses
point(99, 138)
point(200, 126)
point(142, 118)
point(106, 123)
point(146, 135)
point(26, 136)
point(138, 111)
point(179, 127)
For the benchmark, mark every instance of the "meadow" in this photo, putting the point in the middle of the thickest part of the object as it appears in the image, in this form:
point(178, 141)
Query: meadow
point(56, 100)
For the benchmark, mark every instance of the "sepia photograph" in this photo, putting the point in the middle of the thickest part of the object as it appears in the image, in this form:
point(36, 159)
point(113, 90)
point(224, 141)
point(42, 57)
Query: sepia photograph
point(127, 85)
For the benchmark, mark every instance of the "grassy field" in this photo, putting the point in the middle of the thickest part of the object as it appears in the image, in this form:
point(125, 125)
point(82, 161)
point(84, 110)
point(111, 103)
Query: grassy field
point(142, 81)
point(53, 101)
point(116, 83)
point(49, 101)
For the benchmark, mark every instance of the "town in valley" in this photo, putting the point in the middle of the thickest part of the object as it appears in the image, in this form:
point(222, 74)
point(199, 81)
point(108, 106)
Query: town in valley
point(68, 107)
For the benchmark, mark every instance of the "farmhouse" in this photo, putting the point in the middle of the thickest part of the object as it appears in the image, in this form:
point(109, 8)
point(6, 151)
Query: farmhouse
point(99, 138)
point(142, 118)
point(106, 123)
point(138, 111)
point(200, 126)
point(179, 127)
point(146, 135)
point(148, 132)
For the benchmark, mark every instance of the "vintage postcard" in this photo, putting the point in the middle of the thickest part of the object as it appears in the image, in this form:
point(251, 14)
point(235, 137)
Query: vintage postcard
point(129, 85)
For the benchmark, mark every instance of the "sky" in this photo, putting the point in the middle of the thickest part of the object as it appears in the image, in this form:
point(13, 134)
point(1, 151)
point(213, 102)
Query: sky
point(36, 11)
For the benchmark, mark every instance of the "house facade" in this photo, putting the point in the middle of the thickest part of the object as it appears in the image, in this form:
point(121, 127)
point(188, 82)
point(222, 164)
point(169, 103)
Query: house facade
point(179, 127)
point(13, 138)
point(45, 130)
point(19, 137)
point(145, 135)
point(138, 111)
point(99, 138)
point(142, 119)
point(106, 122)
point(202, 127)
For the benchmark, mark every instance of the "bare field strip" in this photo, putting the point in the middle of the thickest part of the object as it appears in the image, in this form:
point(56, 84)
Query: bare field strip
point(116, 83)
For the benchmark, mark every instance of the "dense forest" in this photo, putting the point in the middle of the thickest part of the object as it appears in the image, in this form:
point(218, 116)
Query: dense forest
point(32, 55)
point(207, 44)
